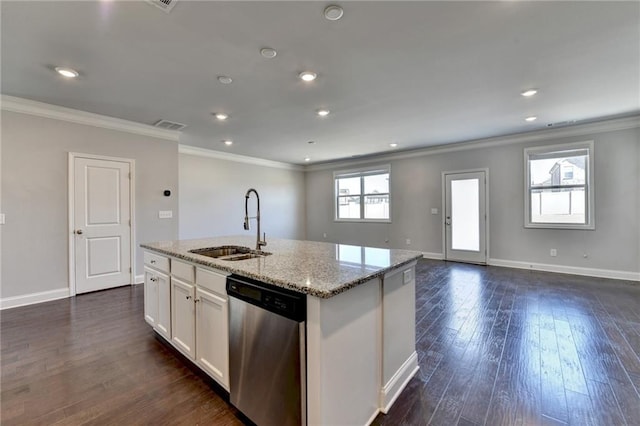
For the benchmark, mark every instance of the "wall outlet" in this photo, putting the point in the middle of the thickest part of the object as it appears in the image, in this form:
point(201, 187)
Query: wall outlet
point(553, 252)
point(324, 235)
point(408, 241)
point(434, 211)
point(165, 214)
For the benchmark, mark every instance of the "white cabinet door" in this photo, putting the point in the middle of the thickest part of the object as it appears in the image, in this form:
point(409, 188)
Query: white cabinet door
point(212, 335)
point(150, 297)
point(163, 321)
point(183, 317)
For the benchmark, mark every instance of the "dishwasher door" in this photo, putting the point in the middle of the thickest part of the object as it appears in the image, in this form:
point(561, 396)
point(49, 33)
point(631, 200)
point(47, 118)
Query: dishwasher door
point(267, 365)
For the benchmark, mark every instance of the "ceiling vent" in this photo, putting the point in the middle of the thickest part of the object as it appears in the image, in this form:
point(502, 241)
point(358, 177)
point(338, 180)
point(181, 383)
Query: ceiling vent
point(165, 5)
point(170, 125)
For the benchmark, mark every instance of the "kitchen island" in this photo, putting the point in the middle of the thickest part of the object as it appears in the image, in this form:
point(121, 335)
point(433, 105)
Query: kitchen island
point(360, 323)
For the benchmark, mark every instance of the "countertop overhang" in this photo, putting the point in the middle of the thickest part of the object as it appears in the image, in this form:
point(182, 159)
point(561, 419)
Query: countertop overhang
point(311, 267)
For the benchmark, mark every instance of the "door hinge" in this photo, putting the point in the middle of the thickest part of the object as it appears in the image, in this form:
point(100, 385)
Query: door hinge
point(129, 175)
point(130, 269)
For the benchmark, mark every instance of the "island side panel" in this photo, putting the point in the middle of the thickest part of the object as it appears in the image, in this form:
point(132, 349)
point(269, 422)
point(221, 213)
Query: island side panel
point(344, 356)
point(399, 356)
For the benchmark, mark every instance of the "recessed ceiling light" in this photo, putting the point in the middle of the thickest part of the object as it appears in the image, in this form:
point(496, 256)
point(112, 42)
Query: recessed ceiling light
point(307, 159)
point(221, 116)
point(225, 79)
point(532, 118)
point(307, 76)
point(323, 112)
point(228, 142)
point(333, 12)
point(393, 145)
point(268, 52)
point(529, 92)
point(67, 72)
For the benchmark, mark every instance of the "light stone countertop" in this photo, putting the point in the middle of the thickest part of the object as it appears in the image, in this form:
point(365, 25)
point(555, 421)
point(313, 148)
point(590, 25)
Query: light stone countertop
point(316, 268)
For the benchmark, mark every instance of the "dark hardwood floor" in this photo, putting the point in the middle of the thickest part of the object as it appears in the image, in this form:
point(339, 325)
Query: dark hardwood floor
point(496, 346)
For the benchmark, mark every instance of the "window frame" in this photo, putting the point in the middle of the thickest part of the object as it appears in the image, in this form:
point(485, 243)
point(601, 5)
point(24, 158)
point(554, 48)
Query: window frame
point(589, 186)
point(361, 173)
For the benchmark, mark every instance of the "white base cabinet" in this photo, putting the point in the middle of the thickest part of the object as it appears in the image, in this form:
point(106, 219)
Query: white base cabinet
point(183, 317)
point(188, 306)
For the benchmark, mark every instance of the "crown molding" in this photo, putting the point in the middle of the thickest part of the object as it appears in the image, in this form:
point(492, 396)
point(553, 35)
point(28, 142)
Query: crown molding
point(203, 152)
point(41, 109)
point(535, 136)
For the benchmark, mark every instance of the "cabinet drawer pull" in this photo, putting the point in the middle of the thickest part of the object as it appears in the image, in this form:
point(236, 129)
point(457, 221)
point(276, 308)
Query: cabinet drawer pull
point(196, 300)
point(153, 262)
point(188, 297)
point(153, 279)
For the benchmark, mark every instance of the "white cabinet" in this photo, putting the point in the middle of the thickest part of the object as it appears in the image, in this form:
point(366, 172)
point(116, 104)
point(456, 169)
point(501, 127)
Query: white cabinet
point(212, 335)
point(183, 317)
point(157, 299)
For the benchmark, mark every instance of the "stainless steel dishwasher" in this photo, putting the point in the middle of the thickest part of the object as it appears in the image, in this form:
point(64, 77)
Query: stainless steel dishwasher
point(267, 356)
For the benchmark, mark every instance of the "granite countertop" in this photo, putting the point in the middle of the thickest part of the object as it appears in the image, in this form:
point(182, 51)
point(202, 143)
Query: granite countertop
point(316, 268)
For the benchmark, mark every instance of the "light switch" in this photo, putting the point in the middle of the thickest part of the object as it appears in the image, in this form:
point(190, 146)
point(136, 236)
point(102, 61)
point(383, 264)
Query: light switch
point(1, 218)
point(434, 211)
point(165, 214)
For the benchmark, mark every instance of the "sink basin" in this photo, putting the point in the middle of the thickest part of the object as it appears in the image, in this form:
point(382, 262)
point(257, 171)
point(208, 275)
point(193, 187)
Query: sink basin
point(231, 253)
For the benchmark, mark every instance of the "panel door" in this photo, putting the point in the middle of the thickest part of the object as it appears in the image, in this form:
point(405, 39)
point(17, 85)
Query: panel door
point(212, 335)
point(465, 217)
point(102, 226)
point(183, 333)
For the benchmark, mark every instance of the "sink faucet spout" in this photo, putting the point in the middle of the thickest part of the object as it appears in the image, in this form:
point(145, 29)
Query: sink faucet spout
point(259, 243)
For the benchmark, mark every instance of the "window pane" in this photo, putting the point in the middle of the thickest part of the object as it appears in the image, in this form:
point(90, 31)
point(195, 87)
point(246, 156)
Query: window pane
point(558, 205)
point(558, 171)
point(465, 214)
point(349, 186)
point(376, 206)
point(349, 207)
point(376, 184)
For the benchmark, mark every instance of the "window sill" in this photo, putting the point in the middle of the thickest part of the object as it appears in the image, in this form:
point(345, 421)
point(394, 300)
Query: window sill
point(362, 220)
point(589, 227)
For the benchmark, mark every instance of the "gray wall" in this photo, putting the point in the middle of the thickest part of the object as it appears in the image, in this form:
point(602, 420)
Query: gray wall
point(34, 194)
point(212, 198)
point(416, 187)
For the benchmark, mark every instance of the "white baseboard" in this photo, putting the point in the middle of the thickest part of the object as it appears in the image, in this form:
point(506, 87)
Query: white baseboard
point(562, 269)
point(436, 256)
point(30, 299)
point(391, 391)
point(139, 279)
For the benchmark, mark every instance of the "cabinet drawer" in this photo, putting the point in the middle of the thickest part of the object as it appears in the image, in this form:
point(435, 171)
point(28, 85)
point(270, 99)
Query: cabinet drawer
point(182, 270)
point(159, 262)
point(212, 281)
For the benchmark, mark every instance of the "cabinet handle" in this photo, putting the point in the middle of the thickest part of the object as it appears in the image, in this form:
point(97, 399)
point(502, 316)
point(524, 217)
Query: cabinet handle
point(196, 300)
point(153, 279)
point(153, 262)
point(188, 297)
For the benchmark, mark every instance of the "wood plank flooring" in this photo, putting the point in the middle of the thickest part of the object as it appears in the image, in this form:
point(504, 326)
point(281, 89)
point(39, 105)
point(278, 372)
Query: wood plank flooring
point(496, 346)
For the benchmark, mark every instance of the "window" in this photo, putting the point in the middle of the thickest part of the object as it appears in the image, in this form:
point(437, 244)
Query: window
point(362, 195)
point(559, 186)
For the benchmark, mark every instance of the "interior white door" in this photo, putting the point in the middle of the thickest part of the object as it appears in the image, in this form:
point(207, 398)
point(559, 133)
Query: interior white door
point(465, 217)
point(102, 225)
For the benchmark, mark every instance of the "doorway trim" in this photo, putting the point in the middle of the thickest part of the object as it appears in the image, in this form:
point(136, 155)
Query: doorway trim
point(71, 223)
point(486, 203)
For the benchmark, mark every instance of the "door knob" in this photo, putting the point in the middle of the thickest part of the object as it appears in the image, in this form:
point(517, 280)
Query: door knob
point(79, 231)
point(448, 221)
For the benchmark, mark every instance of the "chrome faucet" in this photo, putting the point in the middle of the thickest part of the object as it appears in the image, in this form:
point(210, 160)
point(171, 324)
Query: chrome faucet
point(259, 243)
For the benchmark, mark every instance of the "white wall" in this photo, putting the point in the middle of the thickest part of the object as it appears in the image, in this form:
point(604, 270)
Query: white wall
point(212, 198)
point(34, 194)
point(416, 187)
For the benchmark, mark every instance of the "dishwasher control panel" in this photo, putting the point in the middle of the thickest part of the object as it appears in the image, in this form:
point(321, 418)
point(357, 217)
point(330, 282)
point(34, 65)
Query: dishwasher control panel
point(289, 304)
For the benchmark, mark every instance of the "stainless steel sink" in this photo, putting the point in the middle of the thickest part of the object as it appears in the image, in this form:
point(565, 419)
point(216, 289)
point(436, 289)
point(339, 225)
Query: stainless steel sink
point(230, 253)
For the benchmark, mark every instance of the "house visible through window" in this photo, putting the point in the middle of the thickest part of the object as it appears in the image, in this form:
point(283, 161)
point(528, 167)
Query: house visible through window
point(559, 186)
point(362, 195)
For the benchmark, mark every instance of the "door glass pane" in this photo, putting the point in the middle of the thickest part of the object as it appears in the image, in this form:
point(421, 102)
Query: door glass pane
point(465, 214)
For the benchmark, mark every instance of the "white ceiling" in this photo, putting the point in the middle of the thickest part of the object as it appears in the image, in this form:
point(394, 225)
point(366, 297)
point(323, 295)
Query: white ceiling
point(415, 73)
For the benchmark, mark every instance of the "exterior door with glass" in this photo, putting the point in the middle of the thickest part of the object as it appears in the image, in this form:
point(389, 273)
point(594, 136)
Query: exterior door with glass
point(465, 217)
